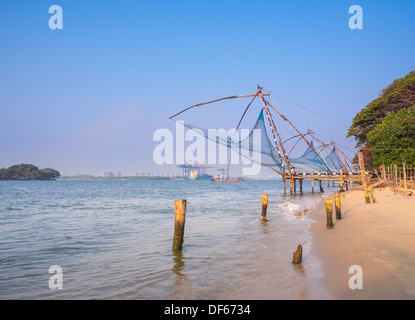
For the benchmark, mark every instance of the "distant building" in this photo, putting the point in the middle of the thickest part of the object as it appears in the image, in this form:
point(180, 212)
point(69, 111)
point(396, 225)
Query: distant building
point(106, 174)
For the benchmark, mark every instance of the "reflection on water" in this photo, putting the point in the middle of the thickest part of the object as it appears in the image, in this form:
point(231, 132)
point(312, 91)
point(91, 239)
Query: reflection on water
point(183, 286)
point(113, 240)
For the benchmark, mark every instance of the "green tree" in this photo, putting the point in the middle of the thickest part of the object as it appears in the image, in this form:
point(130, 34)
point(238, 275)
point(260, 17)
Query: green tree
point(394, 138)
point(28, 172)
point(397, 96)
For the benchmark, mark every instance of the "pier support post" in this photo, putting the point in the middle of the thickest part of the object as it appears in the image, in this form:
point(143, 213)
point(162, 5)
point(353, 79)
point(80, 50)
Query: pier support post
point(312, 181)
point(338, 206)
point(301, 185)
point(291, 184)
point(180, 217)
point(295, 185)
point(264, 207)
point(341, 181)
point(329, 212)
point(284, 181)
point(298, 255)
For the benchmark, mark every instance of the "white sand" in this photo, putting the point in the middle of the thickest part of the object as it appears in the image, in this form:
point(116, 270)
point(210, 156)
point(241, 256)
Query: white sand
point(378, 237)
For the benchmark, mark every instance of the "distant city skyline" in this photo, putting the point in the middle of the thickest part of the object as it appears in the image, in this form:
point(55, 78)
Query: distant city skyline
point(87, 98)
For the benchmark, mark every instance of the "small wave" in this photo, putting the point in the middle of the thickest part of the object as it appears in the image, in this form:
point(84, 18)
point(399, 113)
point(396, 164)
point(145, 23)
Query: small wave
point(289, 207)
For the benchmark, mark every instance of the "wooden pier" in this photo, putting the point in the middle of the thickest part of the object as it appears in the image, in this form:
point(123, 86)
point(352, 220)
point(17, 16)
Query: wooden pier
point(394, 176)
point(342, 180)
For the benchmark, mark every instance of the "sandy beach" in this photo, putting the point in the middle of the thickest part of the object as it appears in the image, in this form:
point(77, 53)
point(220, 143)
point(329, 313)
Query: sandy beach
point(378, 237)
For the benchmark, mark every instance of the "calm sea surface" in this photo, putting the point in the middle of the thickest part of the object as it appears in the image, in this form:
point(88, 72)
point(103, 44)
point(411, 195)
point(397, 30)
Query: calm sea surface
point(113, 240)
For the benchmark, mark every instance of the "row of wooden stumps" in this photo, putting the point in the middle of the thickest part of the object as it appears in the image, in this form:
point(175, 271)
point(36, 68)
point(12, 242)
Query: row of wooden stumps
point(180, 219)
point(297, 255)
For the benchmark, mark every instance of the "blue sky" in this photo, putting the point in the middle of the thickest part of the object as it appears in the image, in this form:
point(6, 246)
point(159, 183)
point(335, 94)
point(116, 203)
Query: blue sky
point(89, 97)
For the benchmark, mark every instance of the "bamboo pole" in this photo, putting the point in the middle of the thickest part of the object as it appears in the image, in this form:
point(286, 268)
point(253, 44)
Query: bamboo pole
point(203, 103)
point(180, 217)
point(396, 175)
point(264, 207)
point(404, 174)
point(312, 181)
point(372, 195)
point(284, 181)
point(291, 184)
point(341, 181)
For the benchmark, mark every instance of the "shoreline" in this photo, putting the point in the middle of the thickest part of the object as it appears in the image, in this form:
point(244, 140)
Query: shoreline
point(378, 237)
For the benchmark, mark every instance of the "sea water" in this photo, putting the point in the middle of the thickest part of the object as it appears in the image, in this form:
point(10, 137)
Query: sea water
point(113, 240)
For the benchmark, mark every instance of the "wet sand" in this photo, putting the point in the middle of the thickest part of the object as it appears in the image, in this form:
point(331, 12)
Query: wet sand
point(378, 237)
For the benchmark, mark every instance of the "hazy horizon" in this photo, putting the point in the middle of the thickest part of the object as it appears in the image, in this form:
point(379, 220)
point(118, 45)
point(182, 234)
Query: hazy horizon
point(88, 98)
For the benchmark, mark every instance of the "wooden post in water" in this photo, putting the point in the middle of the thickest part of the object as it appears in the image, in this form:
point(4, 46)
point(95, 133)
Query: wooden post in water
point(337, 205)
point(301, 185)
point(283, 181)
point(264, 207)
point(329, 212)
point(295, 185)
point(291, 184)
point(180, 217)
point(298, 255)
point(312, 181)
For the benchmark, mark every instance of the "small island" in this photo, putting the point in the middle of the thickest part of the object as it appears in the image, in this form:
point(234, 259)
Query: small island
point(28, 172)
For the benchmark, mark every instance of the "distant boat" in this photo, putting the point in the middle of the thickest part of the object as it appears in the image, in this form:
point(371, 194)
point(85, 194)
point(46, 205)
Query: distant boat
point(222, 179)
point(194, 176)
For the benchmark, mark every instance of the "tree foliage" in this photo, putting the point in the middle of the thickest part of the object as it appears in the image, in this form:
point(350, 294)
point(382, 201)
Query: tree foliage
point(28, 172)
point(394, 138)
point(397, 96)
